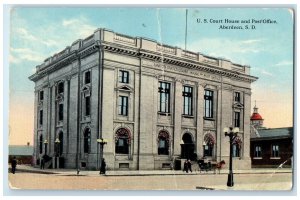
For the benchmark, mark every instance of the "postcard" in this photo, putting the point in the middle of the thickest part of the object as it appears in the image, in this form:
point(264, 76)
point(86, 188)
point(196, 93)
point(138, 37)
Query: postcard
point(151, 98)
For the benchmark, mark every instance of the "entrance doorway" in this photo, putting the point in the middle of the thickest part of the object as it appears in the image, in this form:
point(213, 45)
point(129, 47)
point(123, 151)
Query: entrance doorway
point(188, 147)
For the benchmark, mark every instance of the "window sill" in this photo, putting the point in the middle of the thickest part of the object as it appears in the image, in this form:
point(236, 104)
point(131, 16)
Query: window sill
point(122, 115)
point(163, 113)
point(209, 119)
point(187, 116)
point(257, 158)
point(275, 158)
point(236, 158)
point(123, 82)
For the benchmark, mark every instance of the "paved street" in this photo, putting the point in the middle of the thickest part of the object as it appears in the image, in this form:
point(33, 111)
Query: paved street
point(278, 181)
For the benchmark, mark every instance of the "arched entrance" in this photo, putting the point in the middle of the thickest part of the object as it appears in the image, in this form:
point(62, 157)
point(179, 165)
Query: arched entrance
point(187, 147)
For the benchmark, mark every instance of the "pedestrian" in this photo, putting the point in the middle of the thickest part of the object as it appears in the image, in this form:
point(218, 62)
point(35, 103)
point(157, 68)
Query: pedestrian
point(185, 166)
point(13, 165)
point(103, 167)
point(42, 163)
point(189, 165)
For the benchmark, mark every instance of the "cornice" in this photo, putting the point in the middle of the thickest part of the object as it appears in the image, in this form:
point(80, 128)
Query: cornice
point(168, 59)
point(65, 60)
point(135, 52)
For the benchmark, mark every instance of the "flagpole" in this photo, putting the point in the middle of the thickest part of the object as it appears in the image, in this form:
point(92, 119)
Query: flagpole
point(186, 14)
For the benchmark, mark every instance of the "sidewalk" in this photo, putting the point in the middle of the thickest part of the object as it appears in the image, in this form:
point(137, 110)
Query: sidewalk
point(73, 172)
point(278, 186)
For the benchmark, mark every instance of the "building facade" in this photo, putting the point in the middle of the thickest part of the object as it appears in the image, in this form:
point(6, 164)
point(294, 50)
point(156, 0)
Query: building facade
point(270, 147)
point(153, 103)
point(23, 153)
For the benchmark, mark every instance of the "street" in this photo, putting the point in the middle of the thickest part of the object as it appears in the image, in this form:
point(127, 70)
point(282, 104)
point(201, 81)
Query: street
point(278, 181)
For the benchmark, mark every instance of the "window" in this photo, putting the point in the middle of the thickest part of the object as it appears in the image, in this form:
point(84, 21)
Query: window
point(87, 106)
point(60, 112)
point(123, 105)
point(163, 147)
point(236, 147)
point(87, 141)
point(235, 150)
point(237, 97)
point(257, 151)
point(208, 98)
point(124, 76)
point(236, 119)
point(60, 88)
point(122, 141)
point(163, 143)
point(208, 146)
point(275, 150)
point(208, 149)
point(41, 95)
point(41, 144)
point(164, 96)
point(41, 117)
point(187, 100)
point(87, 77)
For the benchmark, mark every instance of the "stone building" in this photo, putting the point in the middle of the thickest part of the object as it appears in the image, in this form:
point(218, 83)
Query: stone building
point(152, 102)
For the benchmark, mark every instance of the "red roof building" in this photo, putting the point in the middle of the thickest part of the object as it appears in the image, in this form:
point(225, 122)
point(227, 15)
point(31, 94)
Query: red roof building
point(256, 119)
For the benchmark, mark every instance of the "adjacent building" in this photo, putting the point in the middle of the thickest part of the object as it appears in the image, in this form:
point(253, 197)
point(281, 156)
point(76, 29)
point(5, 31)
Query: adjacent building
point(23, 153)
point(152, 102)
point(270, 147)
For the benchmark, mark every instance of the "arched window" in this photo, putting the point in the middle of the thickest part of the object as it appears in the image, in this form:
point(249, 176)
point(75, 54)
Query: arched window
point(163, 143)
point(236, 147)
point(61, 143)
point(208, 145)
point(41, 144)
point(122, 141)
point(87, 141)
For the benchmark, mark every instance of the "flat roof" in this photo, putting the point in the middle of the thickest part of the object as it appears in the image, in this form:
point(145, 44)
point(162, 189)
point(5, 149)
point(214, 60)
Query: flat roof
point(20, 150)
point(272, 133)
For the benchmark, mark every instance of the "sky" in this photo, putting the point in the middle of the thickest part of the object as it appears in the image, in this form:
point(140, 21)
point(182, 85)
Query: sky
point(39, 32)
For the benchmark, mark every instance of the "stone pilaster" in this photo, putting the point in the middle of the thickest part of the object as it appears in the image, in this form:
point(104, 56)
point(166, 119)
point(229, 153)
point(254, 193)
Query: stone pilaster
point(177, 117)
point(219, 130)
point(199, 114)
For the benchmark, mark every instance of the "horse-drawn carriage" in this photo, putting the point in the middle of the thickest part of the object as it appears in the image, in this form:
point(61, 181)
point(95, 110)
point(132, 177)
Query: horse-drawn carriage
point(210, 165)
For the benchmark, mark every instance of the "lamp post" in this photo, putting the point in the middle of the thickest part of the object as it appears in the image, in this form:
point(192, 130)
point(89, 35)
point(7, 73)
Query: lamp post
point(231, 133)
point(45, 143)
point(102, 142)
point(57, 141)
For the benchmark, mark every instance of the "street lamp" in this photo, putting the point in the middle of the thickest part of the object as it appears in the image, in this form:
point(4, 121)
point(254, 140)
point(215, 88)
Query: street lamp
point(45, 143)
point(231, 133)
point(102, 142)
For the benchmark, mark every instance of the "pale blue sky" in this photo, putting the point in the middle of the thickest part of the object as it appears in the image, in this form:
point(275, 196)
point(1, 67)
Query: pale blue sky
point(37, 33)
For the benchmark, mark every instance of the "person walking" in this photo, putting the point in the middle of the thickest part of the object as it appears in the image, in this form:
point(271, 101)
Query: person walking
point(185, 166)
point(13, 165)
point(103, 166)
point(189, 165)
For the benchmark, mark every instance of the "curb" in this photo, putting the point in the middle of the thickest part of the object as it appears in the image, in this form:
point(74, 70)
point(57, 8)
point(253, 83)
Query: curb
point(150, 174)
